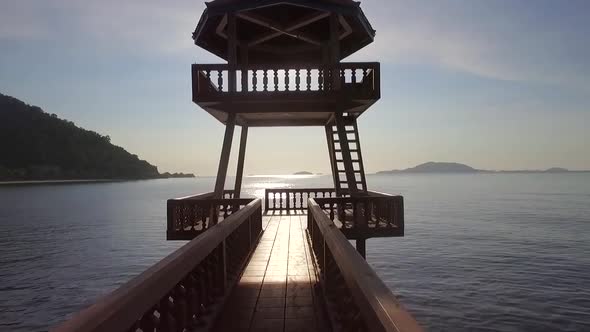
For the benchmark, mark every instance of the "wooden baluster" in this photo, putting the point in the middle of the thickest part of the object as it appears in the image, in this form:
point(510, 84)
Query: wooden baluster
point(194, 217)
point(265, 80)
point(353, 76)
point(254, 80)
point(204, 214)
point(301, 200)
point(208, 76)
point(332, 205)
point(276, 79)
point(287, 81)
point(180, 303)
point(321, 79)
point(308, 79)
point(166, 309)
point(281, 202)
point(192, 303)
point(225, 211)
point(219, 81)
point(149, 321)
point(297, 79)
point(244, 79)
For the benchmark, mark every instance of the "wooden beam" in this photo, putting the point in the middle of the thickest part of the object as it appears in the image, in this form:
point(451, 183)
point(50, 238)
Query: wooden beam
point(225, 152)
point(221, 26)
point(347, 29)
point(241, 157)
point(303, 22)
point(283, 50)
point(280, 30)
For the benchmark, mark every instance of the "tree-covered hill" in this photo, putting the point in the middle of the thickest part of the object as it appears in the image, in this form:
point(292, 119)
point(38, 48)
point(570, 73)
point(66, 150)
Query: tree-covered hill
point(35, 145)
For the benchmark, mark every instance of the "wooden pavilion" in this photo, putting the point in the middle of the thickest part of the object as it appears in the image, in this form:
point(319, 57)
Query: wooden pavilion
point(283, 263)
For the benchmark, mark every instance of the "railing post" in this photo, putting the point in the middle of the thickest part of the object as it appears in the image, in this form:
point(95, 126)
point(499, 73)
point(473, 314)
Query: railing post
point(223, 266)
point(361, 247)
point(250, 232)
point(170, 218)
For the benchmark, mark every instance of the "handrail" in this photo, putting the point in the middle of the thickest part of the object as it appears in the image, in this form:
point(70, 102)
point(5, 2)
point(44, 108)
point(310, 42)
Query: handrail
point(352, 289)
point(179, 291)
point(226, 194)
point(190, 216)
point(359, 80)
point(363, 215)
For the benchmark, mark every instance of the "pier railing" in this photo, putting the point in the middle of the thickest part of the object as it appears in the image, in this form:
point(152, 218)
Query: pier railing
point(376, 215)
point(356, 298)
point(190, 216)
point(354, 80)
point(290, 199)
point(185, 290)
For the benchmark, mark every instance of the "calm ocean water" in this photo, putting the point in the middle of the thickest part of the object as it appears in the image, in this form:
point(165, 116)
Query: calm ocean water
point(488, 252)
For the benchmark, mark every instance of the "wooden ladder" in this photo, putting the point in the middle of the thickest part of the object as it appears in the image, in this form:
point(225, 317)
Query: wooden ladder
point(345, 156)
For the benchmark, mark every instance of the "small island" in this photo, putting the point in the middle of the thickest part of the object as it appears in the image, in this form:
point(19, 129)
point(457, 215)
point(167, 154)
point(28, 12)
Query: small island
point(37, 146)
point(303, 173)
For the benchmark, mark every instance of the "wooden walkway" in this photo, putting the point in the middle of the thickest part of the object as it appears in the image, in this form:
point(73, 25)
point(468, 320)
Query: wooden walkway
point(275, 292)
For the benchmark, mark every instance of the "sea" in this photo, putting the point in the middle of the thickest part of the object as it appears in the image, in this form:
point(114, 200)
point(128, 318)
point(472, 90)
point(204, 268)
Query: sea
point(481, 252)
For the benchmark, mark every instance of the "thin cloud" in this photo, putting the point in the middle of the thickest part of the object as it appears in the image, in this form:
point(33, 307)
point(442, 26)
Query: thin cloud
point(498, 42)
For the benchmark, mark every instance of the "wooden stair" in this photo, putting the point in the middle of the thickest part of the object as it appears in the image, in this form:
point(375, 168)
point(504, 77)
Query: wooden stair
point(345, 156)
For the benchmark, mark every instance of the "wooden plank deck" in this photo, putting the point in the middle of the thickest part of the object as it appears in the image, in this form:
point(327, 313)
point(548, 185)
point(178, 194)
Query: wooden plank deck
point(275, 292)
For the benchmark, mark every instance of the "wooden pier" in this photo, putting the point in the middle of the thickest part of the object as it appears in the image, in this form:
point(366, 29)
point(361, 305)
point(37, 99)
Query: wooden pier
point(281, 270)
point(284, 262)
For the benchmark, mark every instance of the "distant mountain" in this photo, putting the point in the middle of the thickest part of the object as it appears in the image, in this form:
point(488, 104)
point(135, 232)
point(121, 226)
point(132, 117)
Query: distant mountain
point(444, 167)
point(303, 173)
point(557, 170)
point(436, 167)
point(35, 145)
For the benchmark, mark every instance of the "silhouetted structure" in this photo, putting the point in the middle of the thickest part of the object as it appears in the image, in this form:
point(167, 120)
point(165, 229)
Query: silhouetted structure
point(292, 267)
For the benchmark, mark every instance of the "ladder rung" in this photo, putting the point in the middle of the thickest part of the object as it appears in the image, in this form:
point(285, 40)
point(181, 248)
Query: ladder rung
point(350, 140)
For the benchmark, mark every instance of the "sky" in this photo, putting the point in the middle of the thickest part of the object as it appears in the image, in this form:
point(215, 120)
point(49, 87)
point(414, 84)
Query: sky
point(495, 84)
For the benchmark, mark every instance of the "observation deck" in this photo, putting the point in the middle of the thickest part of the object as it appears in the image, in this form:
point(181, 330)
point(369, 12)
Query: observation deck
point(282, 95)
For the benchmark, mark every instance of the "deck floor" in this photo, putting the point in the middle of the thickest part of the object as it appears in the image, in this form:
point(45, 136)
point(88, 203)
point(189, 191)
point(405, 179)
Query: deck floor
point(275, 292)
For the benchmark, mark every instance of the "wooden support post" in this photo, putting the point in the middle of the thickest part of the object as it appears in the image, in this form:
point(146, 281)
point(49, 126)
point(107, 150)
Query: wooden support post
point(241, 156)
point(225, 152)
point(335, 50)
point(223, 267)
point(330, 141)
point(232, 49)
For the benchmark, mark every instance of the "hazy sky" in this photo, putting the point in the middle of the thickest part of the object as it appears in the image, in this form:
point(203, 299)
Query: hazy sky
point(495, 84)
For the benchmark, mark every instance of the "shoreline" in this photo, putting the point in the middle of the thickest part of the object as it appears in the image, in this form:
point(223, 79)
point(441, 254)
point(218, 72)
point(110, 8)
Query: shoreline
point(80, 181)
